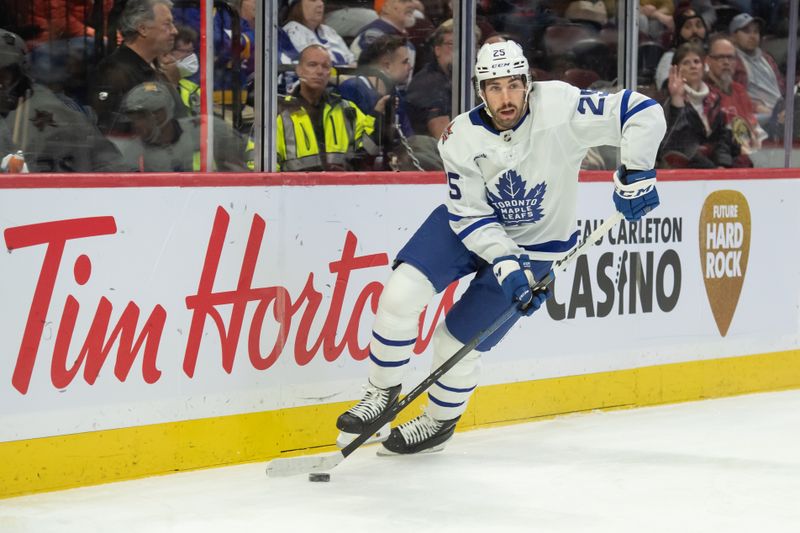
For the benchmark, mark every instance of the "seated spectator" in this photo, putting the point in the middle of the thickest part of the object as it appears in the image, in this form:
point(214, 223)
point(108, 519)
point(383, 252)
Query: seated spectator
point(233, 29)
point(430, 92)
point(755, 69)
point(656, 18)
point(735, 104)
point(349, 19)
point(396, 16)
point(180, 65)
point(58, 20)
point(383, 68)
point(39, 129)
point(187, 64)
point(305, 27)
point(148, 33)
point(164, 143)
point(697, 136)
point(317, 129)
point(689, 27)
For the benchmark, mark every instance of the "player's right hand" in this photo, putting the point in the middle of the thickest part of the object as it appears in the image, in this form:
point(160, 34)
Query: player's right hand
point(515, 278)
point(539, 297)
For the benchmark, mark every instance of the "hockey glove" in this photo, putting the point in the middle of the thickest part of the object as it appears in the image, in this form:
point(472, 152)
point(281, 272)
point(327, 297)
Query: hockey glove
point(539, 297)
point(635, 192)
point(515, 276)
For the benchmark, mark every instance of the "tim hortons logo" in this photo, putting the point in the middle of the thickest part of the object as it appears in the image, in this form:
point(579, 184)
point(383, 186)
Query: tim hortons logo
point(724, 250)
point(293, 315)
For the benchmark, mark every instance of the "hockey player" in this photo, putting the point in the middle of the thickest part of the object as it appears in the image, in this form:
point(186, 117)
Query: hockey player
point(512, 168)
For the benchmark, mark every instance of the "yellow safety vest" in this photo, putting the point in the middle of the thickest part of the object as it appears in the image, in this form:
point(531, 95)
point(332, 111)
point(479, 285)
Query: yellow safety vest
point(189, 92)
point(345, 127)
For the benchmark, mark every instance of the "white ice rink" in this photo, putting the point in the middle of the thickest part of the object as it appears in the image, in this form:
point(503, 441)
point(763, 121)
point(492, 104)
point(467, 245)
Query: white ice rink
point(729, 465)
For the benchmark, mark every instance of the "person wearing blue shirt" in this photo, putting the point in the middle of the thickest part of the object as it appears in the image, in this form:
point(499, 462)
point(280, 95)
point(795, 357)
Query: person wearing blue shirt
point(383, 69)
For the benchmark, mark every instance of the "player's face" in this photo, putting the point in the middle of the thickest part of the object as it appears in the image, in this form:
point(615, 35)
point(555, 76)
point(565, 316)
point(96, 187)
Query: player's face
point(505, 98)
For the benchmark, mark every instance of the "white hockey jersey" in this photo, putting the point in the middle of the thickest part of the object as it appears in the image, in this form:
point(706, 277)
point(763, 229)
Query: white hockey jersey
point(515, 192)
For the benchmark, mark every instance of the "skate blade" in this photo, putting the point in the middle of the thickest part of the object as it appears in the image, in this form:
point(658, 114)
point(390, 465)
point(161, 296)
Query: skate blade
point(385, 452)
point(343, 439)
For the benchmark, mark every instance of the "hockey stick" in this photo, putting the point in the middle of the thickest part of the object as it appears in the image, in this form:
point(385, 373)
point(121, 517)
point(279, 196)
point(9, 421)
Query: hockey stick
point(287, 466)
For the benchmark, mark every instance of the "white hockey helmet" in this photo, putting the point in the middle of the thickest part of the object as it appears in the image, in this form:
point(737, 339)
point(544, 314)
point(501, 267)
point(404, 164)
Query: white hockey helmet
point(498, 60)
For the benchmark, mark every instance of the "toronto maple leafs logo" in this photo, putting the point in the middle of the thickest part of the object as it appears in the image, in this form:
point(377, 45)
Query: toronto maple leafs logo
point(514, 203)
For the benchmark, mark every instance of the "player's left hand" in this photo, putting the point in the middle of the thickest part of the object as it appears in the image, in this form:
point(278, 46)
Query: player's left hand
point(635, 192)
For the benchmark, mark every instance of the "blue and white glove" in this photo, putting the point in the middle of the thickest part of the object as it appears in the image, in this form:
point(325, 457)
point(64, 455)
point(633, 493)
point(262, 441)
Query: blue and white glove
point(515, 276)
point(635, 192)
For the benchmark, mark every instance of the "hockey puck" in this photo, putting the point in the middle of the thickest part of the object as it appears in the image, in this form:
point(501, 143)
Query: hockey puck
point(319, 476)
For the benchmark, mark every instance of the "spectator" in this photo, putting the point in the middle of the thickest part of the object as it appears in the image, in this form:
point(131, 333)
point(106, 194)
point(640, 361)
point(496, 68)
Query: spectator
point(755, 69)
point(430, 92)
point(188, 65)
point(305, 27)
point(656, 17)
point(58, 20)
point(39, 128)
point(181, 65)
point(696, 133)
point(148, 33)
point(383, 68)
point(316, 129)
point(164, 143)
point(689, 27)
point(234, 48)
point(396, 16)
point(735, 104)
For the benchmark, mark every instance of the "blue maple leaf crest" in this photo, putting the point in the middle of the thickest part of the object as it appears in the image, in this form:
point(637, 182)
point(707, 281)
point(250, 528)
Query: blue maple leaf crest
point(514, 204)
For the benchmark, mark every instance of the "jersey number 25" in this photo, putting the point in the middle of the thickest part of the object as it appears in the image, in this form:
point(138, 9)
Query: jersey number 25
point(587, 100)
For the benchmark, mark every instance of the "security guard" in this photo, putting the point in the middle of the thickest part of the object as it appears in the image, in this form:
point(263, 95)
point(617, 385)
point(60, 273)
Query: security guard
point(319, 130)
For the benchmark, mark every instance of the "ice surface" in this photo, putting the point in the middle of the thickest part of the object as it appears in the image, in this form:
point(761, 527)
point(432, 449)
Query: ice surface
point(718, 465)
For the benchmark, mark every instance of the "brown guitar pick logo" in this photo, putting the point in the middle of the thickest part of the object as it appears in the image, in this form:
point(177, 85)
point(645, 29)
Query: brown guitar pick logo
point(724, 250)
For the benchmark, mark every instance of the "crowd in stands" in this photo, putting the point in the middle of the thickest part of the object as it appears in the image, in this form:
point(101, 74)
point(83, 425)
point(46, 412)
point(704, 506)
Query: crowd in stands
point(363, 84)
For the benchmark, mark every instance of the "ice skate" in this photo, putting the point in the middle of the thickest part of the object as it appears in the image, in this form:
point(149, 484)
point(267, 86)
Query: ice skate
point(423, 434)
point(355, 420)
